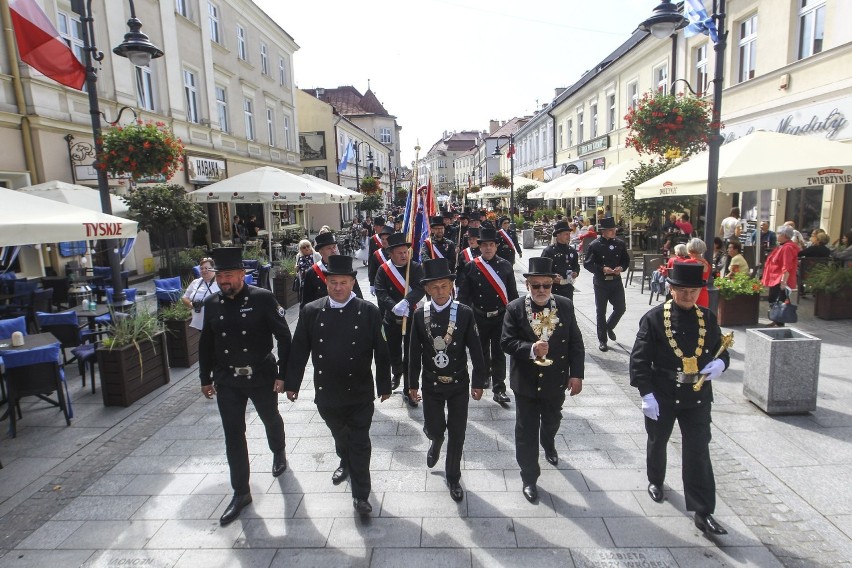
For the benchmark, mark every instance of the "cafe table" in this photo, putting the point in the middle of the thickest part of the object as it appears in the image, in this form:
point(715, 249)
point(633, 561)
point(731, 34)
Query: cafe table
point(83, 312)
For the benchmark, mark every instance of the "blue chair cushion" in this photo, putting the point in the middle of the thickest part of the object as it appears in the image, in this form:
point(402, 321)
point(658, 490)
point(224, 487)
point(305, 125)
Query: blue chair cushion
point(129, 293)
point(59, 318)
point(84, 352)
point(172, 283)
point(9, 326)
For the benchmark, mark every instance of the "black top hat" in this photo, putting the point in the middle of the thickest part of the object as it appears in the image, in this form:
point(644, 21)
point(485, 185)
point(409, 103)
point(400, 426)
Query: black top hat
point(472, 233)
point(464, 215)
point(446, 214)
point(386, 230)
point(540, 266)
point(486, 235)
point(378, 220)
point(606, 223)
point(227, 258)
point(436, 269)
point(437, 221)
point(687, 275)
point(397, 240)
point(475, 216)
point(561, 227)
point(324, 240)
point(339, 265)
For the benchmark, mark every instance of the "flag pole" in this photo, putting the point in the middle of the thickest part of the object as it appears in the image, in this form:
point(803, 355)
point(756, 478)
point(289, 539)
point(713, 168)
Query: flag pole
point(412, 221)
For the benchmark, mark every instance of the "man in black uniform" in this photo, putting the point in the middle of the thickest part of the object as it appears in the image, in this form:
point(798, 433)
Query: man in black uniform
point(436, 246)
point(235, 353)
point(675, 340)
point(343, 335)
point(396, 301)
point(487, 286)
point(507, 246)
point(461, 228)
point(449, 229)
point(374, 241)
point(606, 258)
point(538, 328)
point(440, 332)
point(566, 260)
point(377, 258)
point(469, 253)
point(314, 284)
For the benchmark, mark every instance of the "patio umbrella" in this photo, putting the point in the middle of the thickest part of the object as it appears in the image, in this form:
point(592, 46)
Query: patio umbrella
point(78, 195)
point(607, 182)
point(760, 160)
point(565, 187)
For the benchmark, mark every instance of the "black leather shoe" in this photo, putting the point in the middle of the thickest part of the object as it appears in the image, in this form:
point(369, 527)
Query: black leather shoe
point(603, 346)
point(611, 334)
point(279, 463)
point(456, 491)
point(501, 398)
point(339, 476)
point(552, 457)
point(434, 452)
point(656, 492)
point(232, 511)
point(531, 493)
point(411, 402)
point(395, 382)
point(362, 506)
point(706, 523)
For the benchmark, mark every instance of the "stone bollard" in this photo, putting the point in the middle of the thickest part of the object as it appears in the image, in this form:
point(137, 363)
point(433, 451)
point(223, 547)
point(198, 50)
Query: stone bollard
point(527, 239)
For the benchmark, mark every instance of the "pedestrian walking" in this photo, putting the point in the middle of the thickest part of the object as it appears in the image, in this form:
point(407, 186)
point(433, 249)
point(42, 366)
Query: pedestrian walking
point(378, 258)
point(507, 247)
point(606, 258)
point(566, 260)
point(469, 253)
point(437, 245)
point(315, 283)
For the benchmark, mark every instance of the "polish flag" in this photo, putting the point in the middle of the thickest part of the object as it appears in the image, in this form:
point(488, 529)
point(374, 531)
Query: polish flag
point(41, 46)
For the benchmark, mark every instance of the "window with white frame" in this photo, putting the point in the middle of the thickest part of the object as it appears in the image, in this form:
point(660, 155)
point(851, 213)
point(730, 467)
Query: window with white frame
point(270, 126)
point(611, 120)
point(264, 59)
point(248, 113)
point(222, 108)
point(282, 72)
point(288, 143)
point(593, 111)
point(182, 7)
point(242, 49)
point(385, 136)
point(747, 48)
point(145, 88)
point(660, 78)
point(569, 128)
point(632, 95)
point(71, 31)
point(811, 27)
point(580, 126)
point(213, 14)
point(559, 135)
point(190, 90)
point(702, 77)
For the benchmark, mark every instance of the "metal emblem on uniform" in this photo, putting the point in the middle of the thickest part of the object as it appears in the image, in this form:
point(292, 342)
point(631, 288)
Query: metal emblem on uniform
point(439, 343)
point(281, 311)
point(611, 247)
point(441, 360)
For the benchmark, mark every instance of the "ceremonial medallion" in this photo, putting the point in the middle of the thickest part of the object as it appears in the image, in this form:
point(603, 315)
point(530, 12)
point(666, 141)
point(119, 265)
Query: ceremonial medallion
point(439, 343)
point(441, 360)
point(690, 365)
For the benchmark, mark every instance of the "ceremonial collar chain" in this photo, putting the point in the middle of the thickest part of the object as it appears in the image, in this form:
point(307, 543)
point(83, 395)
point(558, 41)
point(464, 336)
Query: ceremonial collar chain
point(690, 364)
point(544, 322)
point(441, 343)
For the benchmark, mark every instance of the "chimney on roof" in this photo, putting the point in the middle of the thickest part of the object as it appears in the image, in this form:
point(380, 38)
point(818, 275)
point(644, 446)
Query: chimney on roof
point(493, 125)
point(320, 93)
point(559, 91)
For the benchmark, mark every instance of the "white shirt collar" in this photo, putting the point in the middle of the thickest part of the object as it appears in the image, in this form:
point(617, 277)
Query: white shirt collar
point(441, 308)
point(334, 304)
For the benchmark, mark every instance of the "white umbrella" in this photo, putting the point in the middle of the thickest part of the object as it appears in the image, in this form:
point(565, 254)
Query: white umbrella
point(607, 182)
point(760, 160)
point(28, 219)
point(77, 195)
point(565, 187)
point(348, 195)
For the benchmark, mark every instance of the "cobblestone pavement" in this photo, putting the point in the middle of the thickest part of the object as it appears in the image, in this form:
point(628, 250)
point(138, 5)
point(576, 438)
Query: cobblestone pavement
point(144, 486)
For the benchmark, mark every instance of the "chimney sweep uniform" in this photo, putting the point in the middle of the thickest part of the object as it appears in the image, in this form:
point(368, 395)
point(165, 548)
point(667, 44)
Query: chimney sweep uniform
point(466, 253)
point(507, 245)
point(566, 262)
point(314, 286)
point(438, 248)
point(374, 241)
point(612, 254)
point(377, 258)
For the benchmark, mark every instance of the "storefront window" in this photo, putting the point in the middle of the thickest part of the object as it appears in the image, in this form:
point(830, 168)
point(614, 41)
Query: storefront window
point(803, 206)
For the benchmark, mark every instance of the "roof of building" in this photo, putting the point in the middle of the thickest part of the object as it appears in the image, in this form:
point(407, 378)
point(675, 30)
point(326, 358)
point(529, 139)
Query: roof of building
point(348, 101)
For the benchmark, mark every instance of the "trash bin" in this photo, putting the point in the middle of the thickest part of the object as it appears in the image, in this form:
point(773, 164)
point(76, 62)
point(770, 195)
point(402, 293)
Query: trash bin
point(781, 370)
point(528, 239)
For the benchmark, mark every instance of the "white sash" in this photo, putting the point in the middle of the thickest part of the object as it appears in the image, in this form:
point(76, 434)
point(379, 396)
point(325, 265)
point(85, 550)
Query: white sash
point(493, 278)
point(395, 276)
point(436, 252)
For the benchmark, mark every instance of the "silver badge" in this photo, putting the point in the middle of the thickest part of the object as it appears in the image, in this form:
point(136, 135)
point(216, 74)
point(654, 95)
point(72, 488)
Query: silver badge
point(281, 311)
point(441, 360)
point(611, 247)
point(439, 343)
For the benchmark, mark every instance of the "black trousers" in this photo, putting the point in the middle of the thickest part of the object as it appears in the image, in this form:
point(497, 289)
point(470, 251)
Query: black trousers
point(495, 360)
point(455, 398)
point(232, 403)
point(350, 428)
point(699, 485)
point(777, 293)
point(537, 421)
point(566, 290)
point(398, 347)
point(609, 292)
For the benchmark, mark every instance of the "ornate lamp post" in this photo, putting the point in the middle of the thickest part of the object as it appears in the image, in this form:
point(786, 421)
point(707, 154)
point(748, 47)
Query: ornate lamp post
point(511, 155)
point(139, 49)
point(358, 162)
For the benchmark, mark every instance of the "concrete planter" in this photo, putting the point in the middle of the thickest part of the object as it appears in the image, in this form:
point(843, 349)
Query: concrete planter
point(781, 370)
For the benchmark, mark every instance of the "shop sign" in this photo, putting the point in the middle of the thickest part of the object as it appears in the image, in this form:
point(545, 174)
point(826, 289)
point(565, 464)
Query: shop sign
point(827, 119)
point(201, 170)
point(593, 145)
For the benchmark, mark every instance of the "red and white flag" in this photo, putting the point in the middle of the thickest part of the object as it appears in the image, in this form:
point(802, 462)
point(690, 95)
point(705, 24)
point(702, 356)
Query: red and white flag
point(511, 151)
point(41, 46)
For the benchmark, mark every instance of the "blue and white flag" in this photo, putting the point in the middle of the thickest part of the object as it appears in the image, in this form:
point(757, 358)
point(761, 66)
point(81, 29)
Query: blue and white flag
point(699, 21)
point(348, 154)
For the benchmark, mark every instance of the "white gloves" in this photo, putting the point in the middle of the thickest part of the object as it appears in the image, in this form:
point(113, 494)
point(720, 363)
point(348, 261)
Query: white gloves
point(713, 369)
point(650, 407)
point(372, 290)
point(401, 309)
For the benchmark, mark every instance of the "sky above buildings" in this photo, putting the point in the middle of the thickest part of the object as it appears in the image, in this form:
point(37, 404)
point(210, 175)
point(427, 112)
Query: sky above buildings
point(453, 64)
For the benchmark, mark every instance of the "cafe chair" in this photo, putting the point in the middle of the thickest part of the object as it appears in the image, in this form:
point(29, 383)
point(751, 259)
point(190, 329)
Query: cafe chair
point(22, 296)
point(11, 325)
point(35, 372)
point(42, 301)
point(167, 290)
point(650, 264)
point(77, 339)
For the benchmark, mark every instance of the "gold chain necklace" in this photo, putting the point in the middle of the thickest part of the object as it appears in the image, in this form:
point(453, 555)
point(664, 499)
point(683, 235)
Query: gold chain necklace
point(690, 364)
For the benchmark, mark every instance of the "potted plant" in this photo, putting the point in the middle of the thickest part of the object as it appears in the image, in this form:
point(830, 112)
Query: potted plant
point(739, 300)
point(369, 185)
point(133, 360)
point(181, 340)
point(832, 288)
point(285, 282)
point(141, 150)
point(501, 181)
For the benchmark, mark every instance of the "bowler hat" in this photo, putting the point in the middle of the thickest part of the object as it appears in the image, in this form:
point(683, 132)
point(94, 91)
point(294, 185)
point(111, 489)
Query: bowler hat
point(486, 235)
point(472, 233)
point(436, 269)
point(686, 275)
point(227, 258)
point(378, 220)
point(606, 223)
point(561, 227)
point(324, 240)
point(397, 240)
point(437, 221)
point(339, 265)
point(540, 266)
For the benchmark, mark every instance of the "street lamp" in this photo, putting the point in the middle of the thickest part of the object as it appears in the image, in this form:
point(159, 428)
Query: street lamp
point(510, 153)
point(358, 162)
point(139, 49)
point(666, 20)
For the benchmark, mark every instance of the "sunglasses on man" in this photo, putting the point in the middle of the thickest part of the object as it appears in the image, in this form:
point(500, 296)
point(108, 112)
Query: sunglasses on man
point(540, 286)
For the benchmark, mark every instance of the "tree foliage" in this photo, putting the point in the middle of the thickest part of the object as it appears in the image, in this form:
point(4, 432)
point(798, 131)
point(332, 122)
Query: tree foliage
point(521, 195)
point(651, 208)
point(371, 203)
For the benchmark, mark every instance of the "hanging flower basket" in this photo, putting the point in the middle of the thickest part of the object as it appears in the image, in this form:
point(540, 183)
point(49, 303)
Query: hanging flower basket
point(501, 181)
point(663, 123)
point(144, 149)
point(369, 185)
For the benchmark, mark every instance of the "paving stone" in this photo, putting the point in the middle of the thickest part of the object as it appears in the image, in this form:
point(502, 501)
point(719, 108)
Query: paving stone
point(398, 481)
point(675, 532)
point(49, 535)
point(306, 482)
point(212, 463)
point(422, 504)
point(623, 558)
point(96, 508)
point(818, 485)
point(550, 480)
point(511, 504)
point(615, 479)
point(189, 534)
point(451, 532)
point(421, 558)
point(167, 507)
point(746, 556)
point(284, 533)
point(148, 464)
point(163, 484)
point(22, 471)
point(220, 484)
point(475, 480)
point(512, 558)
point(596, 504)
point(560, 532)
point(227, 558)
point(317, 506)
point(373, 532)
point(152, 558)
point(112, 534)
point(42, 558)
point(109, 484)
point(490, 460)
point(321, 558)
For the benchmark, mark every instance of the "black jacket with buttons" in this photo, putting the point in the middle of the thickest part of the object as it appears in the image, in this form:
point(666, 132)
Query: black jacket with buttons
point(476, 291)
point(388, 295)
point(565, 258)
point(606, 252)
point(654, 365)
point(445, 246)
point(238, 332)
point(342, 343)
point(566, 350)
point(422, 350)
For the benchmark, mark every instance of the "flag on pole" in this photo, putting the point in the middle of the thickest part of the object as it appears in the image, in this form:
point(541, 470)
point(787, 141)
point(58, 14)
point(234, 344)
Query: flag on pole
point(41, 47)
point(511, 151)
point(699, 21)
point(431, 207)
point(348, 154)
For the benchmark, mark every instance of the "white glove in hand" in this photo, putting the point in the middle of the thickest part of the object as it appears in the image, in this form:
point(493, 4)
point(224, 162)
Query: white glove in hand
point(713, 369)
point(650, 407)
point(401, 309)
point(372, 290)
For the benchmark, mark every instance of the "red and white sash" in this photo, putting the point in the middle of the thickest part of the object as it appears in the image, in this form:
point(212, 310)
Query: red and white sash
point(493, 278)
point(467, 254)
point(377, 240)
point(508, 239)
point(434, 251)
point(380, 256)
point(394, 276)
point(320, 273)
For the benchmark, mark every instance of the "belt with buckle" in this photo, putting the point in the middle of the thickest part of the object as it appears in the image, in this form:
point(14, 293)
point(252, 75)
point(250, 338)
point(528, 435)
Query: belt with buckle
point(444, 379)
point(243, 371)
point(687, 379)
point(487, 314)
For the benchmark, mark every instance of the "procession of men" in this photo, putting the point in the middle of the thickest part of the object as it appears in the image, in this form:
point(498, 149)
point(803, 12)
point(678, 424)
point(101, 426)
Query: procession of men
point(441, 327)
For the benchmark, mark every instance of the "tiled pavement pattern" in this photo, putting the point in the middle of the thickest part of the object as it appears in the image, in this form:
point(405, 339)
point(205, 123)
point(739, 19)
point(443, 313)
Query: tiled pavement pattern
point(144, 486)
